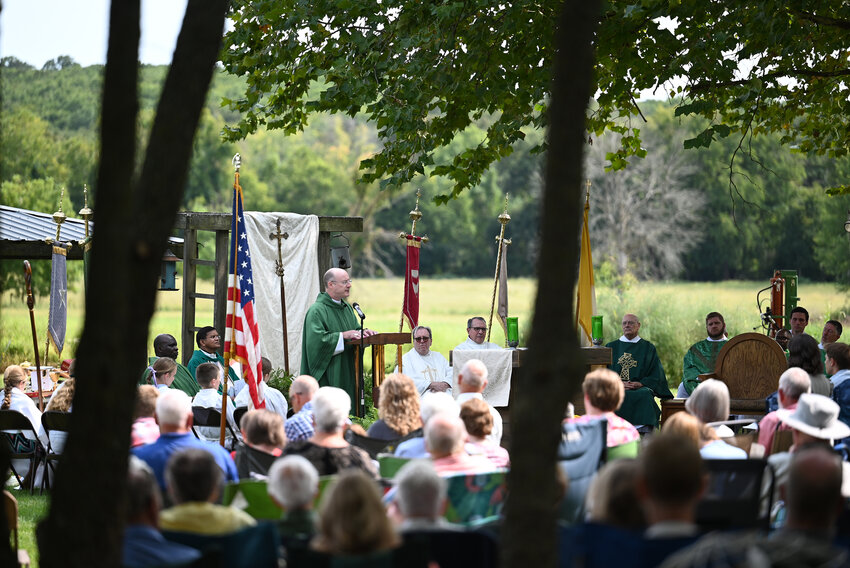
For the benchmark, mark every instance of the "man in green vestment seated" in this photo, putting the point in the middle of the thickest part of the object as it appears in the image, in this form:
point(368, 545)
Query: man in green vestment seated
point(638, 365)
point(329, 322)
point(701, 356)
point(164, 345)
point(209, 342)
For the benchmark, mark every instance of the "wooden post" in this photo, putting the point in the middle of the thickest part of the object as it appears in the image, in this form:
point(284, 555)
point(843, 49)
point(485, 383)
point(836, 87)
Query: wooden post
point(190, 253)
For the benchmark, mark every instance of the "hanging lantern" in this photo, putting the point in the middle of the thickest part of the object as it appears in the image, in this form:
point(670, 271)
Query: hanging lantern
point(168, 271)
point(340, 253)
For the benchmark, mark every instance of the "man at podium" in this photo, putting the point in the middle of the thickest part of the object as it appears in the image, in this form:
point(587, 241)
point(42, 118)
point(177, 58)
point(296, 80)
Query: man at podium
point(328, 323)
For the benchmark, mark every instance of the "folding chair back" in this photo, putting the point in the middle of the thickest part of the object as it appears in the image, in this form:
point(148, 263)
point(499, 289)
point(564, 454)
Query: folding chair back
point(238, 413)
point(54, 423)
point(15, 427)
point(209, 417)
point(734, 495)
point(372, 446)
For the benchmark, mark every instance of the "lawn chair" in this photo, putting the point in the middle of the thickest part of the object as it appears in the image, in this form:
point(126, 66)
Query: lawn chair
point(56, 426)
point(389, 465)
point(251, 496)
point(15, 427)
point(253, 547)
point(475, 498)
point(580, 454)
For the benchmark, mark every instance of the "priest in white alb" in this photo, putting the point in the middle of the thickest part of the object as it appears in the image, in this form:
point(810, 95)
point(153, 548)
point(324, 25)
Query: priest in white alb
point(429, 370)
point(476, 329)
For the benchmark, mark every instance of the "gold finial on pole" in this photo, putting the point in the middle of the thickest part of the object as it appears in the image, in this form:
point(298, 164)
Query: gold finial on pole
point(85, 212)
point(504, 219)
point(59, 216)
point(587, 190)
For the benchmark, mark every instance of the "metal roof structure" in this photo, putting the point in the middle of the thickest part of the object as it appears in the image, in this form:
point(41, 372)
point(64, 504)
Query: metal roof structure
point(24, 234)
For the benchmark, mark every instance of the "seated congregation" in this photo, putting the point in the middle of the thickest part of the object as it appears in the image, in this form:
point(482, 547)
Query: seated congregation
point(426, 486)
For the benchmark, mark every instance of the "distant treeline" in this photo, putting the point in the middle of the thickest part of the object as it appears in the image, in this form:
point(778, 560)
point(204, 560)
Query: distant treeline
point(673, 215)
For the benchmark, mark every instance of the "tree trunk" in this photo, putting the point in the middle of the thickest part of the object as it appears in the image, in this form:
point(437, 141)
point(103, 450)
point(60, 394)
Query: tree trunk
point(133, 221)
point(555, 367)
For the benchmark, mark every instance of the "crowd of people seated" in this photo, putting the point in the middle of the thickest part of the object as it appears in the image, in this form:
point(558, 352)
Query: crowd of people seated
point(333, 496)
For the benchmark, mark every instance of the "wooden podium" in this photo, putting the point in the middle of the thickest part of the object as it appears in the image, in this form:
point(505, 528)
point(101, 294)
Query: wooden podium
point(377, 342)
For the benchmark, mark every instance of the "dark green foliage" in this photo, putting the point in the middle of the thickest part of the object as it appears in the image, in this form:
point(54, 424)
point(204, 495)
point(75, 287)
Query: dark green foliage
point(776, 215)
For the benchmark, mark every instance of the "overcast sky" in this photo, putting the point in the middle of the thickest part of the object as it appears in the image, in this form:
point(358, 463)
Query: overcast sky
point(36, 31)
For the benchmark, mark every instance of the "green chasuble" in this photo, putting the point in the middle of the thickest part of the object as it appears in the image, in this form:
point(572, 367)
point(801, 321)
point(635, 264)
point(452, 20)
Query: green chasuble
point(639, 362)
point(183, 380)
point(199, 357)
point(323, 323)
point(700, 359)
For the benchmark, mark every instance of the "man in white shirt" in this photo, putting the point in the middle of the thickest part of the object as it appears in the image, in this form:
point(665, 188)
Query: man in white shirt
point(275, 401)
point(471, 380)
point(476, 329)
point(429, 370)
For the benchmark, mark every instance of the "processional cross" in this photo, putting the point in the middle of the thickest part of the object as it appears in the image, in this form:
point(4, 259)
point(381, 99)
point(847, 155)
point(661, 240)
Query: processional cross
point(278, 268)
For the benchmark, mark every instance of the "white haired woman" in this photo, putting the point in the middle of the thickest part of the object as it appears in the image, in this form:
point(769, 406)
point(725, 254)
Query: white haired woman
point(327, 450)
point(710, 403)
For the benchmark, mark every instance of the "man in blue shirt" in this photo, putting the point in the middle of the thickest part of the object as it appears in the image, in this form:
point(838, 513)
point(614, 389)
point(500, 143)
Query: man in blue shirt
point(174, 415)
point(300, 425)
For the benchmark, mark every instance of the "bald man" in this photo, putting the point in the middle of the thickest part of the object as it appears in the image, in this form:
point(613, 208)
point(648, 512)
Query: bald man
point(329, 322)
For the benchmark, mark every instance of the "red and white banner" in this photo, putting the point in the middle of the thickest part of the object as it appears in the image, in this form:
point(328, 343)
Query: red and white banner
point(410, 309)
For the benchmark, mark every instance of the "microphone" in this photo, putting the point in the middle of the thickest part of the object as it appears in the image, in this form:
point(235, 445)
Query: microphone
point(357, 309)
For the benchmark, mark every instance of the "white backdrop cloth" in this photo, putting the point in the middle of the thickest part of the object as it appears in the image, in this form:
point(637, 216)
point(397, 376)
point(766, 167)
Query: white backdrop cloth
point(499, 363)
point(301, 278)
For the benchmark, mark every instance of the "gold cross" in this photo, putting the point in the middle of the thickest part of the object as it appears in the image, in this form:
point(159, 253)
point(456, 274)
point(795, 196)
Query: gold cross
point(626, 362)
point(278, 264)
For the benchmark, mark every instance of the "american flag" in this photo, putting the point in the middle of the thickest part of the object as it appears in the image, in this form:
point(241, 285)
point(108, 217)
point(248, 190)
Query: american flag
point(240, 287)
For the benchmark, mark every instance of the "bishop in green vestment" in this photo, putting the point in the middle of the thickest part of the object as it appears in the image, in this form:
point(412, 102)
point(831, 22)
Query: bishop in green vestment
point(702, 355)
point(328, 323)
point(638, 365)
point(164, 345)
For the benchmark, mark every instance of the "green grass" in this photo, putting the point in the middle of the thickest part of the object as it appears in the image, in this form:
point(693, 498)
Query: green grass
point(31, 509)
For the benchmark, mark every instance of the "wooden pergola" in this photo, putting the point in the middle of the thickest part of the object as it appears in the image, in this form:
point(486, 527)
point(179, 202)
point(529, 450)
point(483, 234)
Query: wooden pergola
point(219, 223)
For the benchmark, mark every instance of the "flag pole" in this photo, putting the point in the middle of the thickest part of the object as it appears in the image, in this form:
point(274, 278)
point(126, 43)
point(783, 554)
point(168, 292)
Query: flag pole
point(58, 218)
point(31, 306)
point(228, 355)
point(414, 215)
point(86, 214)
point(504, 219)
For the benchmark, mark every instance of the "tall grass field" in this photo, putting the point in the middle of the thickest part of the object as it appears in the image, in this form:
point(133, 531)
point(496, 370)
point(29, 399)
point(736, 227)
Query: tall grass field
point(672, 314)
